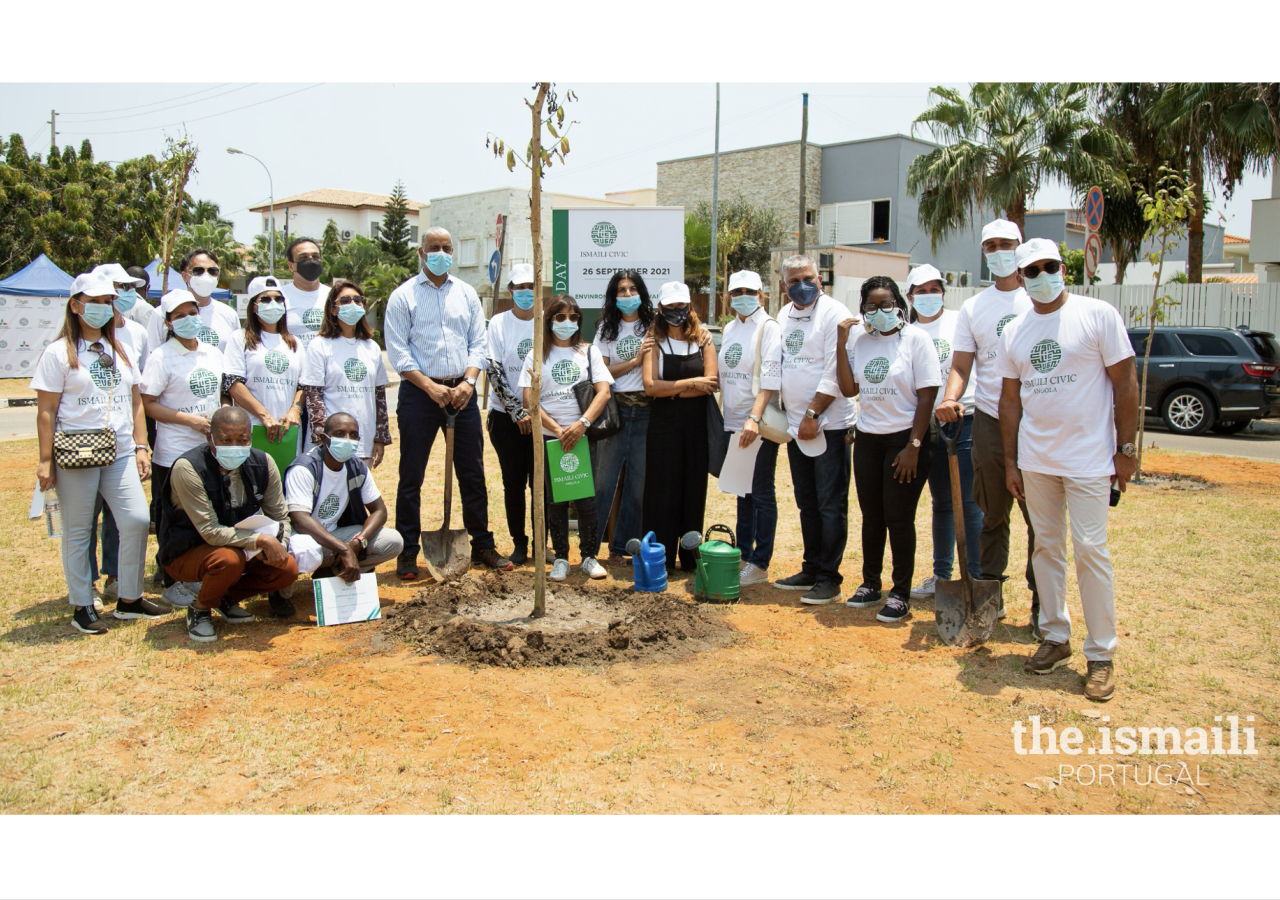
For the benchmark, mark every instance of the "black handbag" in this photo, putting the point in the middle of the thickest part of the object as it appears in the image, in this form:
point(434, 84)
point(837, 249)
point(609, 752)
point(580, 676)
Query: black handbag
point(716, 448)
point(610, 421)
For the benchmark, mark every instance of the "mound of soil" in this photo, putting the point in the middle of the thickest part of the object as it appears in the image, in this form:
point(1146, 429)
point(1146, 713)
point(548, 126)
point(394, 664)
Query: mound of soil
point(483, 619)
point(1173, 481)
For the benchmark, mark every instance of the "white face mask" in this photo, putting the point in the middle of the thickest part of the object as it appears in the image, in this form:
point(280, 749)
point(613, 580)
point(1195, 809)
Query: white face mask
point(203, 285)
point(1001, 263)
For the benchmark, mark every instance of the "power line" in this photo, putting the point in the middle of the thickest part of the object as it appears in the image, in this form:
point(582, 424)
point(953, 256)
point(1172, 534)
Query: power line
point(151, 112)
point(199, 118)
point(152, 103)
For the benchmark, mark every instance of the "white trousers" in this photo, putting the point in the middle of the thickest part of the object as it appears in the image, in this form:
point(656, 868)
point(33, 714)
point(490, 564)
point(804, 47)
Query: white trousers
point(384, 545)
point(1049, 499)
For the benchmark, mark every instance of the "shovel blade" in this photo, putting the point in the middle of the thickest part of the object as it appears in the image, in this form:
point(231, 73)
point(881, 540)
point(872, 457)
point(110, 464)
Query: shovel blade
point(958, 624)
point(447, 553)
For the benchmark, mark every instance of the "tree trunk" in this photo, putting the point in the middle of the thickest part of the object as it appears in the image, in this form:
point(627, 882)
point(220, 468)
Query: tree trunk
point(1195, 223)
point(535, 389)
point(1146, 357)
point(1017, 214)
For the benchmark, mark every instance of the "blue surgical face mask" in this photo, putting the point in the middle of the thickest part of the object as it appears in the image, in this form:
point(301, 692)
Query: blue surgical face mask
point(231, 457)
point(1001, 263)
point(523, 299)
point(927, 305)
point(628, 305)
point(187, 327)
point(438, 262)
point(802, 293)
point(745, 305)
point(1044, 288)
point(342, 449)
point(351, 313)
point(125, 300)
point(564, 330)
point(270, 311)
point(884, 320)
point(96, 315)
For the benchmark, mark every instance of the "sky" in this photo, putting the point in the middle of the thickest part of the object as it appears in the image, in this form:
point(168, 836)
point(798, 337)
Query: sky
point(364, 137)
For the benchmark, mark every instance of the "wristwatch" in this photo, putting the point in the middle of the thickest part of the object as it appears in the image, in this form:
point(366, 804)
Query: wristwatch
point(810, 414)
point(470, 381)
point(1130, 450)
point(756, 419)
point(363, 541)
point(915, 442)
point(586, 423)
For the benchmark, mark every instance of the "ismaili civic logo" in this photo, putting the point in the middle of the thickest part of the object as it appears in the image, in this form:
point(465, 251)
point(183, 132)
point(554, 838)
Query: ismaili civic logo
point(1046, 355)
point(627, 348)
point(943, 349)
point(328, 507)
point(202, 383)
point(208, 336)
point(1003, 322)
point(105, 378)
point(569, 463)
point(523, 348)
point(313, 317)
point(355, 370)
point(604, 234)
point(566, 371)
point(794, 342)
point(877, 370)
point(276, 362)
point(733, 355)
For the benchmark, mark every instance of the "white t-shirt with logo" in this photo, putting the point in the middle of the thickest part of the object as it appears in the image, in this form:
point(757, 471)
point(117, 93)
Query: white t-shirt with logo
point(219, 320)
point(624, 349)
point(134, 338)
point(737, 361)
point(810, 341)
point(942, 331)
point(84, 402)
point(1068, 403)
point(350, 370)
point(187, 381)
point(298, 485)
point(510, 342)
point(304, 310)
point(890, 370)
point(270, 371)
point(978, 330)
point(563, 368)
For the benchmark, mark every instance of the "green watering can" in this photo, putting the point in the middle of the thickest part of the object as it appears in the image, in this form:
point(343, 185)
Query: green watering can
point(719, 565)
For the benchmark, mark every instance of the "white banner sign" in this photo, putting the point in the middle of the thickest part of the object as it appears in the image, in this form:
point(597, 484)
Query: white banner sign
point(27, 326)
point(591, 244)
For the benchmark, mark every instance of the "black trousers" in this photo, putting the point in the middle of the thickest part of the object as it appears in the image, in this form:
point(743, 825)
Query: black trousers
point(420, 420)
point(675, 485)
point(515, 457)
point(558, 516)
point(159, 476)
point(888, 505)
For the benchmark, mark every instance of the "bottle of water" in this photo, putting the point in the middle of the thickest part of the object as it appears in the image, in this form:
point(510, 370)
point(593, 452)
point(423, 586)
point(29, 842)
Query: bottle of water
point(52, 514)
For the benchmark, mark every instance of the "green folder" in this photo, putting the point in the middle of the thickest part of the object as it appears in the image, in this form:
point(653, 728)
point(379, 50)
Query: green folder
point(283, 453)
point(570, 473)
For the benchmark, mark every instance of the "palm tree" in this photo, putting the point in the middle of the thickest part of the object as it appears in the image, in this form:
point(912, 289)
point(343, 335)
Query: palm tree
point(1001, 145)
point(216, 239)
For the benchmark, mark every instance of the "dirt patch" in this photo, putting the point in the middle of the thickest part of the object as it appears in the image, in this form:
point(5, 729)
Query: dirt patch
point(1173, 481)
point(483, 619)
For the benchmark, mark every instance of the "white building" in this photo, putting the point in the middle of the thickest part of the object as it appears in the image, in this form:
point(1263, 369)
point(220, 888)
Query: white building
point(354, 212)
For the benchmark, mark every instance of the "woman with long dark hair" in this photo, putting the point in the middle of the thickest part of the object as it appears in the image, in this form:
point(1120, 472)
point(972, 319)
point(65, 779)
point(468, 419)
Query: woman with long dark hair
point(624, 324)
point(264, 361)
point(681, 375)
point(568, 360)
point(343, 371)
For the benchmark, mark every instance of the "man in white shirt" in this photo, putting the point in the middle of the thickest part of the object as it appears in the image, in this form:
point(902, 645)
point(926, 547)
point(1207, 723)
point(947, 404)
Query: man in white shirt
point(1069, 414)
point(436, 340)
point(304, 296)
point(819, 417)
point(976, 351)
point(200, 273)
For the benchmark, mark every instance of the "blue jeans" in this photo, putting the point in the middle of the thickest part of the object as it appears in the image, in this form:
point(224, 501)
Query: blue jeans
point(821, 487)
point(624, 449)
point(758, 511)
point(944, 524)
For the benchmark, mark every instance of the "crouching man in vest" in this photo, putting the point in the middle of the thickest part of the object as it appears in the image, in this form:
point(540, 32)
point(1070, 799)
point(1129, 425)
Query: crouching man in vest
point(208, 491)
point(337, 512)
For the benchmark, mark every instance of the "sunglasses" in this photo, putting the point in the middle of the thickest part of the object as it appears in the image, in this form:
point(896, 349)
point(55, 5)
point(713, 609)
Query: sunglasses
point(346, 301)
point(1052, 267)
point(200, 270)
point(567, 317)
point(105, 361)
point(270, 298)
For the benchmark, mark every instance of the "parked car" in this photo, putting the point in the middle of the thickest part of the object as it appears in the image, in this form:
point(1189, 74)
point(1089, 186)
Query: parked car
point(1203, 377)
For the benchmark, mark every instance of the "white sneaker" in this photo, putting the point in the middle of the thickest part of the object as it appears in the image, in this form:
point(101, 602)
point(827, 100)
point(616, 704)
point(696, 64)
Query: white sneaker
point(559, 570)
point(925, 591)
point(178, 595)
point(111, 590)
point(753, 574)
point(591, 568)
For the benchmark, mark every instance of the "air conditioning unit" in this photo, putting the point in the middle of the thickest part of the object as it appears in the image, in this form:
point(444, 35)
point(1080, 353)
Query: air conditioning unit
point(953, 278)
point(347, 234)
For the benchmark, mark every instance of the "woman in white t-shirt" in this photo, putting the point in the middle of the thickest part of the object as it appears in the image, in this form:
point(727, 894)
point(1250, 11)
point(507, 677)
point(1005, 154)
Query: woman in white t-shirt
point(86, 380)
point(893, 368)
point(264, 362)
point(925, 293)
point(625, 320)
point(567, 361)
point(343, 371)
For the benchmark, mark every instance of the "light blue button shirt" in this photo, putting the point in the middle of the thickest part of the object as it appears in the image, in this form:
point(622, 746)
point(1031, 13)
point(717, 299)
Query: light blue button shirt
point(438, 331)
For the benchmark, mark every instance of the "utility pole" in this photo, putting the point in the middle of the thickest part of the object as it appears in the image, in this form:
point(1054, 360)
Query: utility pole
point(804, 144)
point(53, 131)
point(715, 213)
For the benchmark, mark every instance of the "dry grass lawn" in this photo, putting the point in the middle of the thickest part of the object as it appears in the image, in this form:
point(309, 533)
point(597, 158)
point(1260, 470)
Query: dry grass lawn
point(811, 709)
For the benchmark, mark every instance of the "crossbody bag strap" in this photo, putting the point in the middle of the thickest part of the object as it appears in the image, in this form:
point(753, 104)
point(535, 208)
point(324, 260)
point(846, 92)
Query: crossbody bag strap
point(755, 368)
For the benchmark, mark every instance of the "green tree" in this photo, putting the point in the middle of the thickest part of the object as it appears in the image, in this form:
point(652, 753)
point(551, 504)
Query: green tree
point(1073, 266)
point(745, 235)
point(357, 260)
point(330, 243)
point(1001, 144)
point(393, 236)
point(200, 211)
point(215, 238)
point(176, 168)
point(259, 256)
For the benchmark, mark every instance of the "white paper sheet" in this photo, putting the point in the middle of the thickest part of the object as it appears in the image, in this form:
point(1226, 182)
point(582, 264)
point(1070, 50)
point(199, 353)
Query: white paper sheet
point(815, 446)
point(739, 467)
point(37, 503)
point(260, 524)
point(340, 603)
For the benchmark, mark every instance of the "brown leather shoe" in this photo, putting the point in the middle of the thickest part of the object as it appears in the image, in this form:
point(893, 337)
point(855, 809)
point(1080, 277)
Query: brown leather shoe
point(618, 562)
point(1100, 683)
point(1048, 657)
point(492, 558)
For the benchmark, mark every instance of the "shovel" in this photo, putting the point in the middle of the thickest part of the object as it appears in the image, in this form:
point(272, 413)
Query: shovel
point(966, 610)
point(447, 550)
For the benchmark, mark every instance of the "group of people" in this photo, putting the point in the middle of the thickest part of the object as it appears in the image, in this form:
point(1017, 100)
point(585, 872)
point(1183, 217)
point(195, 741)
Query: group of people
point(1035, 386)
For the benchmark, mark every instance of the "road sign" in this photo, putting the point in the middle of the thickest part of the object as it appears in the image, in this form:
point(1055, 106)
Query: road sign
point(1093, 208)
point(1092, 255)
point(495, 266)
point(497, 231)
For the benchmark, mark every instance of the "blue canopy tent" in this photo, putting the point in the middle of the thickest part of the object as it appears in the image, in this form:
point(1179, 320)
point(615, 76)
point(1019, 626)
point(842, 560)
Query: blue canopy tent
point(175, 282)
point(41, 278)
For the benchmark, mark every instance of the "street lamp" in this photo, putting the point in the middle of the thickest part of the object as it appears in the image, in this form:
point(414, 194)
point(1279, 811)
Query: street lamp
point(272, 193)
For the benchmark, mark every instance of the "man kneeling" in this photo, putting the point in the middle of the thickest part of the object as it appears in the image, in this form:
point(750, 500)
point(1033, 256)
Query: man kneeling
point(208, 491)
point(336, 509)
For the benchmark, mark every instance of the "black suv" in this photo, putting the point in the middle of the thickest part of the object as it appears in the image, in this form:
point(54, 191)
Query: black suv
point(1202, 378)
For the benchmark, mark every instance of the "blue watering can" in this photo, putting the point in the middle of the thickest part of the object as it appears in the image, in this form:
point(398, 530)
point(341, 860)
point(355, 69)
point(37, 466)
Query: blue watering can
point(649, 560)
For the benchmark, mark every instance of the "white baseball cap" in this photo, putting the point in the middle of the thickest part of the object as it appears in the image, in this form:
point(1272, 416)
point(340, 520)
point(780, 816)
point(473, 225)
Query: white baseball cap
point(172, 300)
point(93, 284)
point(1036, 248)
point(262, 284)
point(521, 273)
point(673, 292)
point(745, 279)
point(1001, 228)
point(923, 275)
point(116, 273)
